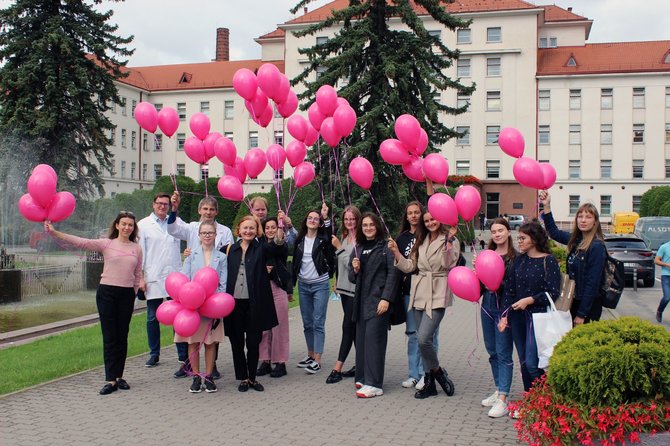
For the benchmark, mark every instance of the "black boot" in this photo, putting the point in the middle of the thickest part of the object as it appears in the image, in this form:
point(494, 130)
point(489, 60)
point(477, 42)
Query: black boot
point(428, 388)
point(264, 369)
point(445, 382)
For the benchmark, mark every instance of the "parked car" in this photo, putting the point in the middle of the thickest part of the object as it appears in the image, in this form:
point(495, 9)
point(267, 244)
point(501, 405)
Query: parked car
point(634, 254)
point(516, 220)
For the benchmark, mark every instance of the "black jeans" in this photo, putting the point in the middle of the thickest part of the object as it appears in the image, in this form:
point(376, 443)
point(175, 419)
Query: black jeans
point(115, 308)
point(239, 324)
point(348, 327)
point(371, 341)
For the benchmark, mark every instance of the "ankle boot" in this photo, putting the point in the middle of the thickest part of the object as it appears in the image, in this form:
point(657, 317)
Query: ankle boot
point(428, 387)
point(445, 382)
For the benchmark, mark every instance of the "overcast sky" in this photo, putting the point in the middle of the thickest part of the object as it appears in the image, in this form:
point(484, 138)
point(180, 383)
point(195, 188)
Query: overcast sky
point(179, 31)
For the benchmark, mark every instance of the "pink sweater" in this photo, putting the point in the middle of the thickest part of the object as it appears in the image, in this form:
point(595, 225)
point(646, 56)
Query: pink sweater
point(123, 261)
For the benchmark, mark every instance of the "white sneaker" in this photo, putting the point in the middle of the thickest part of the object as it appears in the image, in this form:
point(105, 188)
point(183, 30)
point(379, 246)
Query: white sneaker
point(420, 384)
point(409, 383)
point(499, 409)
point(369, 392)
point(490, 401)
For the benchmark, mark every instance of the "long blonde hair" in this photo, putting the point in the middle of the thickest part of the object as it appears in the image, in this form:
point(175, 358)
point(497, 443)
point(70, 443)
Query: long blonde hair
point(588, 237)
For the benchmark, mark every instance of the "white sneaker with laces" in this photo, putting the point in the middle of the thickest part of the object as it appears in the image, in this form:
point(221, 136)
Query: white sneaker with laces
point(409, 383)
point(313, 368)
point(420, 384)
point(491, 400)
point(369, 392)
point(306, 361)
point(499, 409)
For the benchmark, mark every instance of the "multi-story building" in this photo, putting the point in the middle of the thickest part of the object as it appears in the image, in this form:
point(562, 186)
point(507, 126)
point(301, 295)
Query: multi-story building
point(600, 113)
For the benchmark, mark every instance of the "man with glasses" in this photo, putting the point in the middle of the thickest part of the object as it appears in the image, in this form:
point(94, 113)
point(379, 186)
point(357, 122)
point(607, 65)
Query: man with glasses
point(160, 257)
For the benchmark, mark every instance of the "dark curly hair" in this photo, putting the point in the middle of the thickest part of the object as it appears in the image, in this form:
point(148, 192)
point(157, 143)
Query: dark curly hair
point(538, 235)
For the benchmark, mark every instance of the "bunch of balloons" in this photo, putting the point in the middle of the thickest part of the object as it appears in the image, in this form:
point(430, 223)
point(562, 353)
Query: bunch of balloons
point(331, 115)
point(42, 202)
point(446, 210)
point(527, 171)
point(489, 269)
point(257, 89)
point(192, 299)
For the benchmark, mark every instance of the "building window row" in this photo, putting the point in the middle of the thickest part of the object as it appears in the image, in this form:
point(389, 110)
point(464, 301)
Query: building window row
point(493, 67)
point(606, 98)
point(493, 35)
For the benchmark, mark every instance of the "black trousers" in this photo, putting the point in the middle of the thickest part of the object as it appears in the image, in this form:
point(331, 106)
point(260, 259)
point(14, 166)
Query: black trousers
point(371, 339)
point(240, 332)
point(115, 308)
point(348, 327)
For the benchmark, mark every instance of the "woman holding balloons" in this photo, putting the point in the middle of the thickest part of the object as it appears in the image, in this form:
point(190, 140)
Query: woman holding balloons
point(115, 297)
point(210, 331)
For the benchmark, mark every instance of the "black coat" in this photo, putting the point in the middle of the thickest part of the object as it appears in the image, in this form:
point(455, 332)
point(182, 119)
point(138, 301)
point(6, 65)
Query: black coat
point(376, 280)
point(261, 304)
point(275, 256)
point(323, 255)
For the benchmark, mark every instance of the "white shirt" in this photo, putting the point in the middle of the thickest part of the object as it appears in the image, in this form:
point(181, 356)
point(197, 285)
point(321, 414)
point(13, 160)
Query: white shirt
point(160, 254)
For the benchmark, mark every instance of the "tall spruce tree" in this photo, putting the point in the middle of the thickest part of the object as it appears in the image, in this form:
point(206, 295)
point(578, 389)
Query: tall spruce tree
point(387, 72)
point(57, 77)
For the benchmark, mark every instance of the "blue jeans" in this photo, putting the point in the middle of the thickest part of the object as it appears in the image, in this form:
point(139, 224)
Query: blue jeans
point(153, 328)
point(526, 347)
point(415, 364)
point(313, 308)
point(498, 345)
point(665, 284)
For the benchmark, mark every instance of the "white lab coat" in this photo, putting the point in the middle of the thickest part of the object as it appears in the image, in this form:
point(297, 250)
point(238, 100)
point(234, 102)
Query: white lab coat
point(161, 256)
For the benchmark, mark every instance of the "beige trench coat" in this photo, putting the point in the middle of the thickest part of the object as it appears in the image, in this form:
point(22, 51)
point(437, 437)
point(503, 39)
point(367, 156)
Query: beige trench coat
point(429, 285)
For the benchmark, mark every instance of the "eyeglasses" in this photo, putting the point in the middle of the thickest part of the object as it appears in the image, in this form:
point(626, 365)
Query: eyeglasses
point(313, 218)
point(207, 234)
point(126, 214)
point(160, 203)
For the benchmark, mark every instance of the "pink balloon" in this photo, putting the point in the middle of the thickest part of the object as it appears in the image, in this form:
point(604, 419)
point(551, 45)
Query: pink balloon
point(236, 169)
point(61, 207)
point(393, 152)
point(186, 322)
point(173, 283)
point(464, 283)
point(436, 168)
point(266, 117)
point(217, 305)
point(548, 175)
point(315, 116)
point(31, 210)
point(312, 135)
point(341, 102)
point(209, 144)
point(361, 172)
point(528, 173)
point(329, 132)
point(468, 201)
point(408, 130)
point(195, 150)
point(443, 209)
point(422, 144)
point(200, 125)
point(167, 311)
point(259, 103)
point(208, 278)
point(326, 97)
point(192, 295)
point(303, 174)
point(254, 162)
point(295, 153)
point(146, 116)
point(245, 83)
point(276, 156)
point(345, 120)
point(225, 150)
point(45, 168)
point(230, 188)
point(269, 79)
point(42, 187)
point(490, 269)
point(283, 92)
point(168, 121)
point(414, 169)
point(289, 106)
point(511, 142)
point(297, 127)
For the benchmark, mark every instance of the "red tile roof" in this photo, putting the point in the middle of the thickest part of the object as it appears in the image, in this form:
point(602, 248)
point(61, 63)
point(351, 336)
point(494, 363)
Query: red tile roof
point(274, 34)
point(553, 13)
point(623, 57)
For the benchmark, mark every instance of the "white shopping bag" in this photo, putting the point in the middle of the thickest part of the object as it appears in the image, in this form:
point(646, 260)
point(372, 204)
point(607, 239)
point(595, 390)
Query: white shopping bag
point(549, 328)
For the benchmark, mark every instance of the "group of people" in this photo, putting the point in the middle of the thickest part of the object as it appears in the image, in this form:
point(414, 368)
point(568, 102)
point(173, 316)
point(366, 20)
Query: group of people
point(378, 279)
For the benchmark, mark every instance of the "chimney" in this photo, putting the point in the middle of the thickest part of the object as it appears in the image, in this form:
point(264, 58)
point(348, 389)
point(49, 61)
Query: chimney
point(569, 8)
point(222, 44)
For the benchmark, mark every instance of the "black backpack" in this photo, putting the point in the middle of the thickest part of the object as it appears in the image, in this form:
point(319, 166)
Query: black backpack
point(612, 284)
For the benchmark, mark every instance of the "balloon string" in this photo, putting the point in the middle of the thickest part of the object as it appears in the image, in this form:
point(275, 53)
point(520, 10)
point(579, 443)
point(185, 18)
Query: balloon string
point(474, 350)
point(379, 212)
point(196, 354)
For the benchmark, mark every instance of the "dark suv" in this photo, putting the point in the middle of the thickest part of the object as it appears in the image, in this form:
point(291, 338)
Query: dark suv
point(634, 254)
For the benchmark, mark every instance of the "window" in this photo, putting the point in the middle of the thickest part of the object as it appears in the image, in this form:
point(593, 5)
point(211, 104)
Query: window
point(321, 40)
point(638, 97)
point(204, 172)
point(667, 132)
point(253, 139)
point(543, 42)
point(435, 33)
point(144, 172)
point(638, 168)
point(181, 110)
point(133, 104)
point(320, 71)
point(606, 134)
point(638, 133)
point(543, 134)
point(204, 107)
point(575, 99)
point(553, 42)
point(133, 140)
point(123, 169)
point(463, 100)
point(494, 34)
point(463, 167)
point(112, 168)
point(158, 171)
point(279, 174)
point(159, 107)
point(572, 62)
point(575, 134)
point(123, 138)
point(463, 68)
point(573, 204)
point(112, 137)
point(492, 132)
point(493, 100)
point(464, 36)
point(493, 66)
point(145, 141)
point(606, 98)
point(667, 168)
point(113, 107)
point(132, 170)
point(605, 169)
point(493, 169)
point(279, 137)
point(548, 42)
point(667, 97)
point(574, 169)
point(637, 199)
point(181, 170)
point(181, 139)
point(605, 205)
point(124, 110)
point(465, 139)
point(158, 143)
point(544, 99)
point(228, 110)
point(228, 135)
